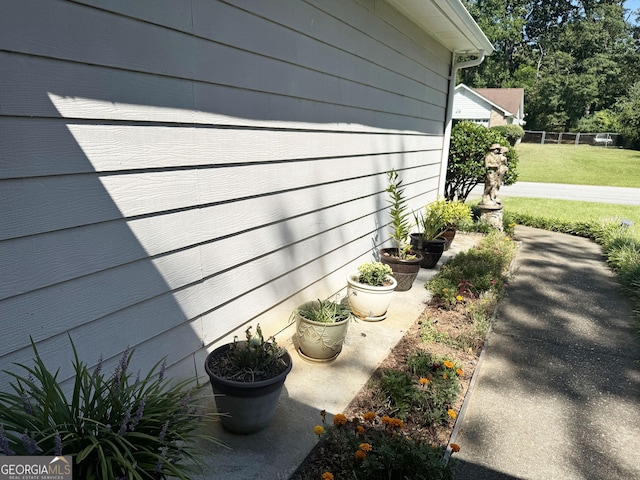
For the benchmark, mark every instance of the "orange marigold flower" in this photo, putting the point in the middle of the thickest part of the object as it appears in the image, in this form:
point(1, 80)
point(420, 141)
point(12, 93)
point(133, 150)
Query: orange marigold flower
point(396, 422)
point(361, 454)
point(366, 447)
point(359, 430)
point(327, 476)
point(448, 364)
point(386, 420)
point(424, 381)
point(452, 413)
point(339, 419)
point(444, 375)
point(459, 372)
point(318, 430)
point(369, 416)
point(455, 447)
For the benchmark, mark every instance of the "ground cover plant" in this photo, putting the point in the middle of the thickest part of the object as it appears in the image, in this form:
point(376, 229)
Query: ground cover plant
point(400, 423)
point(117, 426)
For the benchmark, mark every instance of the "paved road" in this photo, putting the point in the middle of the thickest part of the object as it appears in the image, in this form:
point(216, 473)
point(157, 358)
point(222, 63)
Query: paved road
point(586, 193)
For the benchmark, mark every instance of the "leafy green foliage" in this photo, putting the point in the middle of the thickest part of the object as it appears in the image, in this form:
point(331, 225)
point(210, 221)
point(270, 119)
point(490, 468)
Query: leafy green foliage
point(250, 360)
point(372, 448)
point(116, 426)
point(440, 215)
point(325, 311)
point(470, 143)
point(374, 273)
point(628, 116)
point(400, 225)
point(512, 133)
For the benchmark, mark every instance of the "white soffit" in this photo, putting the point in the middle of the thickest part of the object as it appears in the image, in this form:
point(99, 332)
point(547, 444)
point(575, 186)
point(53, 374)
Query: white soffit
point(448, 22)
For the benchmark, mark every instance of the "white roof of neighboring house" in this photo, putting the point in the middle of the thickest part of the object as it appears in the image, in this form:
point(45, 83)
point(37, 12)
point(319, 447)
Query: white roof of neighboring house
point(448, 22)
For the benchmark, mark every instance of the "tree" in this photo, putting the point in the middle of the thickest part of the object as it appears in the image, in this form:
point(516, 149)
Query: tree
point(628, 116)
point(470, 143)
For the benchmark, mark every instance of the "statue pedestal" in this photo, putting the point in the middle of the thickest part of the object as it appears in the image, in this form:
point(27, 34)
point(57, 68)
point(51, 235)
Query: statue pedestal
point(491, 214)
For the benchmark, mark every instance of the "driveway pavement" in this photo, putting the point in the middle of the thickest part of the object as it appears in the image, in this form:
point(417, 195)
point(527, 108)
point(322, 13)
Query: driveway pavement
point(585, 193)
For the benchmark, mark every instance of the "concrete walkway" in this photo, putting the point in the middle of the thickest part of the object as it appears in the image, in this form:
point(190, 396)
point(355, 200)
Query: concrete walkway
point(558, 390)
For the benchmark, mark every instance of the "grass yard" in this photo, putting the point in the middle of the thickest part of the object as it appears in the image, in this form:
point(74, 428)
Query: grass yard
point(579, 165)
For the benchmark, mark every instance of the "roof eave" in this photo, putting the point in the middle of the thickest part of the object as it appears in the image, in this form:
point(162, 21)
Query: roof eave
point(448, 22)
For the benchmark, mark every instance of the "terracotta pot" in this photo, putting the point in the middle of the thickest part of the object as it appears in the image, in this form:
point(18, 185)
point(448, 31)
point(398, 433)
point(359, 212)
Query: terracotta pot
point(404, 271)
point(250, 405)
point(368, 302)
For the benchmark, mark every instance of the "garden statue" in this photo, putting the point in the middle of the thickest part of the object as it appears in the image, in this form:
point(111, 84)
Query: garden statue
point(496, 163)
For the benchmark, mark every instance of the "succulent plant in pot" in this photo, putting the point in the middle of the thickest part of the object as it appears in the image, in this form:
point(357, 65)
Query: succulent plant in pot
point(247, 378)
point(370, 290)
point(403, 259)
point(321, 327)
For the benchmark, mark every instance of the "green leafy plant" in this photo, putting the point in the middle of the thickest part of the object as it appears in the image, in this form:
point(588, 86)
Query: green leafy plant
point(116, 426)
point(400, 225)
point(374, 273)
point(325, 311)
point(372, 447)
point(251, 360)
point(440, 215)
point(512, 133)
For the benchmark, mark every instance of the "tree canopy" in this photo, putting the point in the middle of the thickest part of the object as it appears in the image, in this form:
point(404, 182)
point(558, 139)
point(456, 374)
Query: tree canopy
point(576, 59)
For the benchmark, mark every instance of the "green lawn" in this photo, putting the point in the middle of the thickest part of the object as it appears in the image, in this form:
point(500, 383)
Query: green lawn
point(580, 165)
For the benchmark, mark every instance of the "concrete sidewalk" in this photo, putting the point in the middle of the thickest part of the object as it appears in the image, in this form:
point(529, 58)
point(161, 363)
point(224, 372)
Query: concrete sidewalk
point(558, 390)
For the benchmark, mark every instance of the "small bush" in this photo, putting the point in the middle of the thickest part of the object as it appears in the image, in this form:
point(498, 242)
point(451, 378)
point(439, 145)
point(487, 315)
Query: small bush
point(117, 426)
point(512, 133)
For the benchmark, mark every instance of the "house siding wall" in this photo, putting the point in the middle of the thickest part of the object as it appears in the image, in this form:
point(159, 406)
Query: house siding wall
point(467, 106)
point(170, 171)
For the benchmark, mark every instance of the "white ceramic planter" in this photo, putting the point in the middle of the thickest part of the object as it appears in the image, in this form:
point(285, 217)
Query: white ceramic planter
point(368, 302)
point(317, 341)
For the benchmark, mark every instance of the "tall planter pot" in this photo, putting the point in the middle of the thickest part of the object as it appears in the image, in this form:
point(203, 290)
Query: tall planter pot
point(431, 250)
point(250, 405)
point(368, 302)
point(404, 271)
point(448, 235)
point(319, 341)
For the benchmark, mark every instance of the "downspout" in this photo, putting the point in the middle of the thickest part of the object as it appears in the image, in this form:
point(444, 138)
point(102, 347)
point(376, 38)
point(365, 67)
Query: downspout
point(446, 139)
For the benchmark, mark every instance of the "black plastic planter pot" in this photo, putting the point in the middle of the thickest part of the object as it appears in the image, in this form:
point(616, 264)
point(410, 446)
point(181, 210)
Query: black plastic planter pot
point(431, 250)
point(249, 405)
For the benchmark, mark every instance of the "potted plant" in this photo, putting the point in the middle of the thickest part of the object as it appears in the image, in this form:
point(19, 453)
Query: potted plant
point(370, 291)
point(321, 327)
point(247, 378)
point(404, 262)
point(453, 212)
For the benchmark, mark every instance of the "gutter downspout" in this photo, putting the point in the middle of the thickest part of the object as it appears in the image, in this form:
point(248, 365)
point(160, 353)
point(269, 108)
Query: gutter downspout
point(446, 139)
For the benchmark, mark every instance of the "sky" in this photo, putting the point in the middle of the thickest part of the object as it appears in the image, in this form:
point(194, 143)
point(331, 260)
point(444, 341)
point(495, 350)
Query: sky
point(632, 5)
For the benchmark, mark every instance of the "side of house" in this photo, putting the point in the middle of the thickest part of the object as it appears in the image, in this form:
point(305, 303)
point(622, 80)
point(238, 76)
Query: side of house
point(171, 171)
point(489, 106)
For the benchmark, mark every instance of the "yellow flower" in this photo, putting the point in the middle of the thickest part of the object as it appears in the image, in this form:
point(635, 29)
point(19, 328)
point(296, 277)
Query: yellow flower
point(361, 454)
point(444, 375)
point(455, 447)
point(366, 447)
point(327, 476)
point(452, 413)
point(318, 430)
point(444, 290)
point(448, 364)
point(459, 298)
point(359, 430)
point(424, 381)
point(369, 416)
point(459, 372)
point(339, 419)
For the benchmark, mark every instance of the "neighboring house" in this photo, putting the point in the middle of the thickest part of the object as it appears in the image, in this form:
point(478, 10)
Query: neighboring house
point(173, 171)
point(489, 106)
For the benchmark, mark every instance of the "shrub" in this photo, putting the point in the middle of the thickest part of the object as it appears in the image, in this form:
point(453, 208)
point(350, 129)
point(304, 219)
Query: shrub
point(470, 143)
point(512, 133)
point(116, 426)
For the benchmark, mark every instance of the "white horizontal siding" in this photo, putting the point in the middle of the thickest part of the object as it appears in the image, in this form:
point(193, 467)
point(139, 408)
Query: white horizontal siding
point(469, 106)
point(165, 177)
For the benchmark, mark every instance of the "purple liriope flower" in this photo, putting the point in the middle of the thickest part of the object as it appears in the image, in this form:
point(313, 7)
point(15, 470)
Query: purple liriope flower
point(139, 413)
point(163, 432)
point(26, 405)
point(4, 443)
point(108, 427)
point(125, 421)
point(163, 456)
point(30, 444)
point(58, 445)
point(163, 367)
point(185, 401)
point(124, 361)
point(98, 369)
